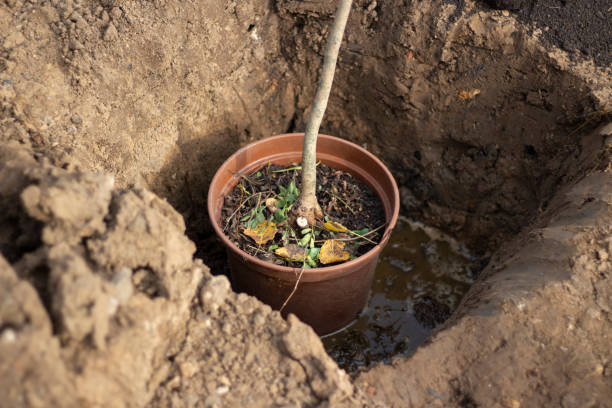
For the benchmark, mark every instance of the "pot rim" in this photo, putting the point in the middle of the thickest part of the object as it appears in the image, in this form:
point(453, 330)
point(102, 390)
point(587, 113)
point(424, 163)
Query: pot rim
point(328, 271)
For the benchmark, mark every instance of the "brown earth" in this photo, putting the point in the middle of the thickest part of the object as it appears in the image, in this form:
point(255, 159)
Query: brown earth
point(102, 101)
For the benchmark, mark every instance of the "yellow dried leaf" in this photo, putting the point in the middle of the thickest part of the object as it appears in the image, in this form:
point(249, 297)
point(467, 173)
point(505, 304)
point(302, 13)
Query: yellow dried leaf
point(262, 233)
point(291, 252)
point(334, 226)
point(333, 251)
point(468, 94)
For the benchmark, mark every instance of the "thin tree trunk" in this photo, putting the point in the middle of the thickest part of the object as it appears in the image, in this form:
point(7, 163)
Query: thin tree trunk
point(307, 205)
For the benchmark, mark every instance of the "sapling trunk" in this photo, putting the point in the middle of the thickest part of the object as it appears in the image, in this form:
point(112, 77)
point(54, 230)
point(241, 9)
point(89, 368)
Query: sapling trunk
point(307, 205)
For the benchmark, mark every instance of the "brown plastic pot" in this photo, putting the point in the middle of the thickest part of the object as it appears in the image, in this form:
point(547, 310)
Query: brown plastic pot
point(327, 298)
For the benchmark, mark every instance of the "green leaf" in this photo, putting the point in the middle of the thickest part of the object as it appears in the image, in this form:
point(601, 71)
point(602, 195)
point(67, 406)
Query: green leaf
point(260, 218)
point(283, 190)
point(362, 231)
point(246, 217)
point(314, 253)
point(310, 262)
point(306, 230)
point(293, 190)
point(272, 247)
point(293, 233)
point(311, 242)
point(253, 223)
point(304, 241)
point(258, 174)
point(326, 218)
point(279, 216)
point(306, 266)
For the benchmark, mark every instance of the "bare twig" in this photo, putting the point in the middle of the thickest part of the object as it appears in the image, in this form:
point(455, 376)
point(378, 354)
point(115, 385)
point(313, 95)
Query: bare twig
point(318, 241)
point(359, 236)
point(247, 178)
point(296, 283)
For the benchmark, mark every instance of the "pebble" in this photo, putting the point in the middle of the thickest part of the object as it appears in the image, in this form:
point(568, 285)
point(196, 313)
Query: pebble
point(111, 33)
point(116, 13)
point(76, 119)
point(215, 291)
point(123, 284)
point(8, 336)
point(222, 390)
point(75, 45)
point(188, 369)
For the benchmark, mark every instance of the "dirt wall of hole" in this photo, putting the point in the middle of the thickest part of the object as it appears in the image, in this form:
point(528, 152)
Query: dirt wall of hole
point(159, 93)
point(479, 167)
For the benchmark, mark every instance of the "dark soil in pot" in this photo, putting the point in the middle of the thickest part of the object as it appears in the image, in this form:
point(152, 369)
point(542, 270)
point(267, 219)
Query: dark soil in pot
point(344, 200)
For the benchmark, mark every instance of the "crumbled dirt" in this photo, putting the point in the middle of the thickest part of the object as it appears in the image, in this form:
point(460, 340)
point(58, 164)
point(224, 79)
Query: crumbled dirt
point(581, 28)
point(118, 313)
point(105, 106)
point(343, 199)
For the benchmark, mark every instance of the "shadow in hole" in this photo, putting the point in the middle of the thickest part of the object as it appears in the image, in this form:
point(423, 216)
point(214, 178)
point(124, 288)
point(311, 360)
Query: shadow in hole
point(184, 182)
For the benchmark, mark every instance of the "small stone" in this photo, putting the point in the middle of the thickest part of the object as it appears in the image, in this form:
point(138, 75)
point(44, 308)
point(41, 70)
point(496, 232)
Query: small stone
point(511, 403)
point(215, 291)
point(76, 119)
point(258, 319)
point(104, 17)
point(188, 369)
point(123, 284)
point(222, 390)
point(8, 336)
point(111, 33)
point(75, 45)
point(116, 13)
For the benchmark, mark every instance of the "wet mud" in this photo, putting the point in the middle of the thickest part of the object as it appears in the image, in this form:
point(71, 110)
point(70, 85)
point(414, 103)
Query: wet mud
point(419, 281)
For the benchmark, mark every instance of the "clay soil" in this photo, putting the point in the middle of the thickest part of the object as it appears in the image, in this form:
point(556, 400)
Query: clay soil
point(114, 115)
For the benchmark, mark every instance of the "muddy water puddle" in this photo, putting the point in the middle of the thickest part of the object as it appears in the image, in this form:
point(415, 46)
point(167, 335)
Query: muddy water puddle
point(420, 279)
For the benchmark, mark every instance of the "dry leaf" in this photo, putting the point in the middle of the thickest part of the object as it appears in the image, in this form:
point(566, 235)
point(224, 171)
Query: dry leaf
point(334, 226)
point(468, 94)
point(262, 233)
point(291, 252)
point(333, 251)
